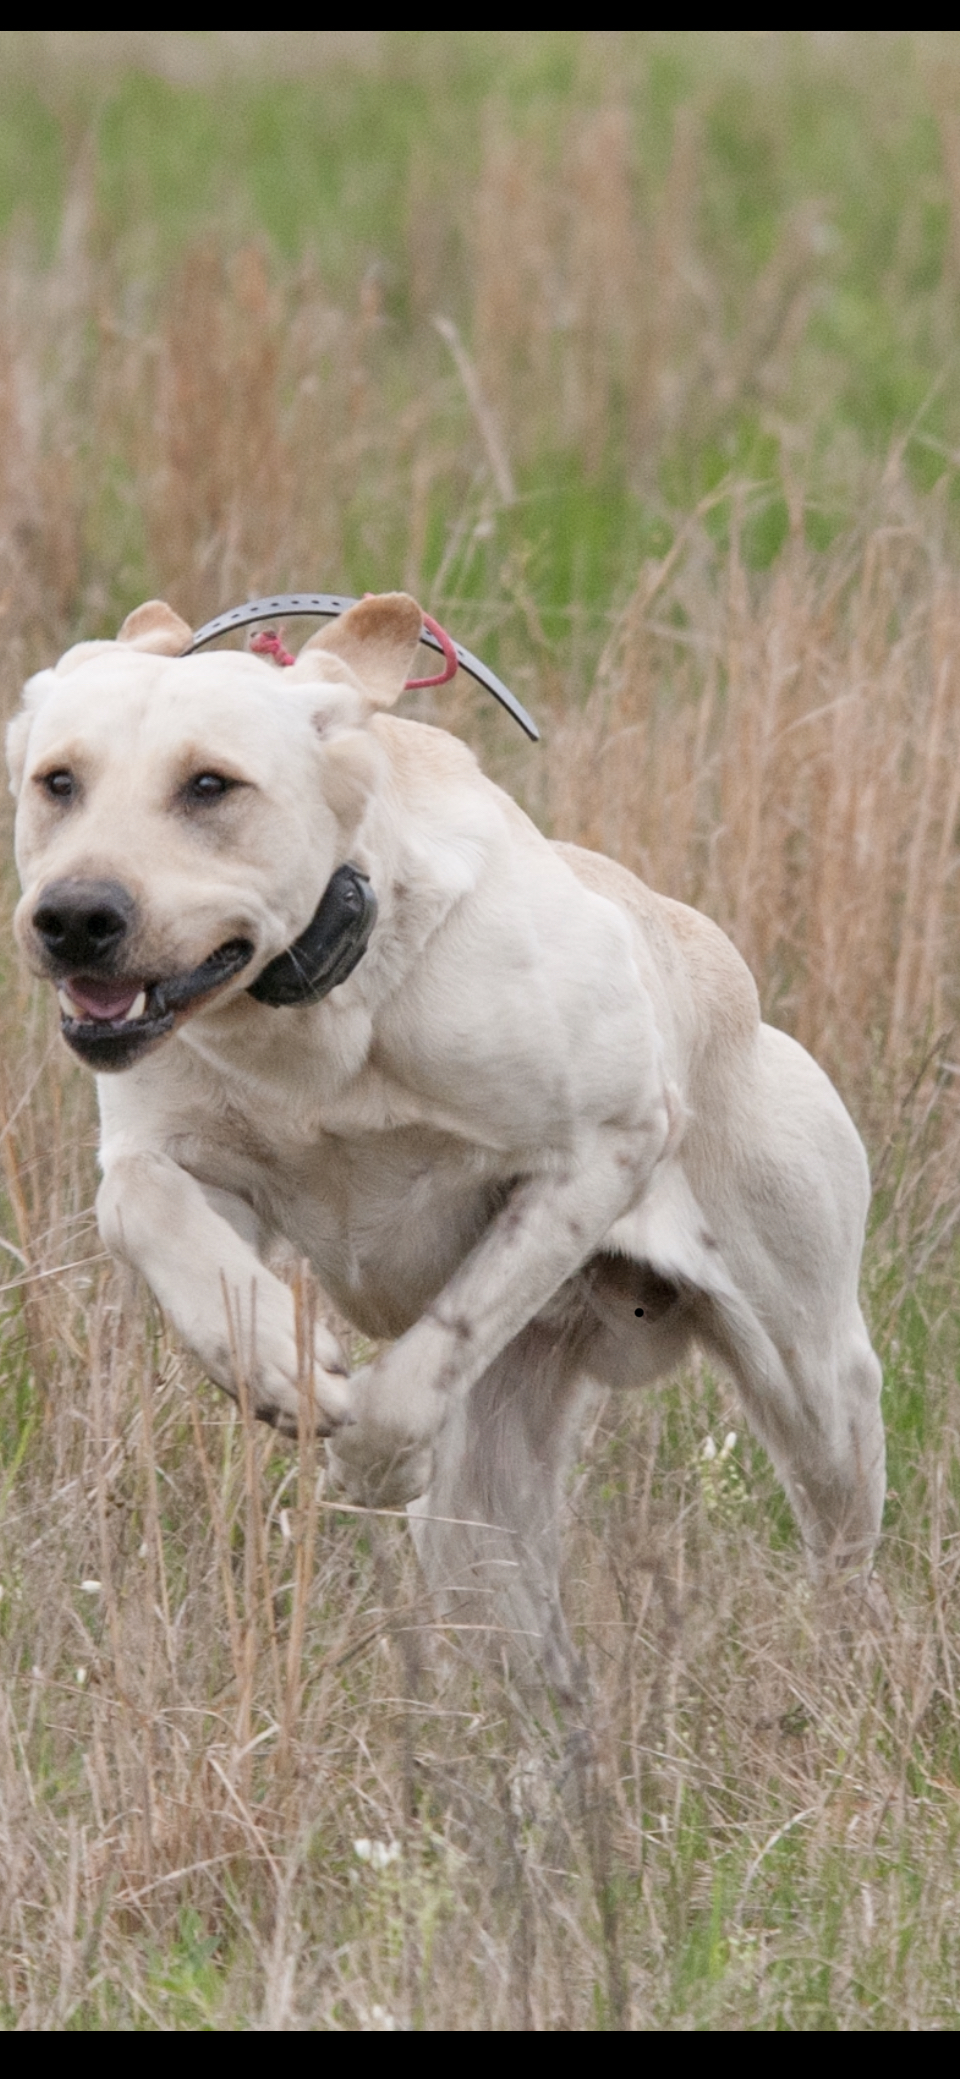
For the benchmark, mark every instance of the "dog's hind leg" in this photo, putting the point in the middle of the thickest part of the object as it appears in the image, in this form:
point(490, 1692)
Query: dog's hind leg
point(487, 1530)
point(777, 1303)
point(789, 1210)
point(815, 1405)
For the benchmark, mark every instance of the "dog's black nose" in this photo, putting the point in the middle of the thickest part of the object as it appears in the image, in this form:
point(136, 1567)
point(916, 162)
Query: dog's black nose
point(82, 923)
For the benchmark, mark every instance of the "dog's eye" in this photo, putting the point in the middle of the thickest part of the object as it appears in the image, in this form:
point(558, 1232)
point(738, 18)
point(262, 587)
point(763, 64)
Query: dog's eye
point(208, 786)
point(61, 786)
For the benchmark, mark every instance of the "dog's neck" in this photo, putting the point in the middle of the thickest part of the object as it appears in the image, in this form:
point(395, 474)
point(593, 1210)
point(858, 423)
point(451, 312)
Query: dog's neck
point(356, 897)
point(420, 872)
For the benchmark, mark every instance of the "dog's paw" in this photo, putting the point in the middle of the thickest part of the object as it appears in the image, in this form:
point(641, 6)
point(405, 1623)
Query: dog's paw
point(282, 1411)
point(277, 1389)
point(385, 1459)
point(866, 1605)
point(376, 1474)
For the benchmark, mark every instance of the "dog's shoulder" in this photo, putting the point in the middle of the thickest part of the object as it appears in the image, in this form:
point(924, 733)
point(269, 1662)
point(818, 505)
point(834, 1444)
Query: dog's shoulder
point(680, 941)
point(424, 759)
point(439, 787)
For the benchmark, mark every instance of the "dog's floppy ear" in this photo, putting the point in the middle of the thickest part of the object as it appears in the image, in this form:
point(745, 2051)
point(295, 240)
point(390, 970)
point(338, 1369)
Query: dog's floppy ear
point(155, 627)
point(378, 639)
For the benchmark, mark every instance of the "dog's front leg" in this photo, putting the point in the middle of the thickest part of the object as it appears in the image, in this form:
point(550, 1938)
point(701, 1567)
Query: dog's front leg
point(551, 1224)
point(195, 1249)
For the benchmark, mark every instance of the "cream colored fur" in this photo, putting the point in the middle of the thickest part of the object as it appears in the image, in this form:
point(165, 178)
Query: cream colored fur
point(544, 1099)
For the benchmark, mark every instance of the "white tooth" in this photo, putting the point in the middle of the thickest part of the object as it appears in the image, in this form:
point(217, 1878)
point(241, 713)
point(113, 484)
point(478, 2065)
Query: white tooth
point(67, 1005)
point(137, 1007)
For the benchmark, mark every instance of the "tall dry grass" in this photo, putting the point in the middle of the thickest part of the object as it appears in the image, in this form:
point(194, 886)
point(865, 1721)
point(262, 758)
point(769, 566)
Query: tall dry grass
point(243, 1781)
point(786, 756)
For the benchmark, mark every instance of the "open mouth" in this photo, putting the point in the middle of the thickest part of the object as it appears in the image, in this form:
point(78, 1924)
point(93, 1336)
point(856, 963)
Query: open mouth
point(111, 1020)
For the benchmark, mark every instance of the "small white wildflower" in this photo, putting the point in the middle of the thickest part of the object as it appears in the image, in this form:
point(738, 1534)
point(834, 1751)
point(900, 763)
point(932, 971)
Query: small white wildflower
point(285, 1531)
point(81, 1675)
point(90, 1587)
point(729, 1443)
point(144, 1549)
point(379, 1854)
point(708, 1448)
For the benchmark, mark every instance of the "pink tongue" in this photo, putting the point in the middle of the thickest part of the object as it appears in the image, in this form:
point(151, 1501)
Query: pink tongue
point(102, 999)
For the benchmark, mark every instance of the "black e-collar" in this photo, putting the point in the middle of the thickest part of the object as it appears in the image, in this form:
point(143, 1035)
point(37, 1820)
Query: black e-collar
point(328, 951)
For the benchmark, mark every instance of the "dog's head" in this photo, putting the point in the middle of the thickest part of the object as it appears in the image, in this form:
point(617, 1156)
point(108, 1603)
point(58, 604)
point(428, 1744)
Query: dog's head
point(179, 818)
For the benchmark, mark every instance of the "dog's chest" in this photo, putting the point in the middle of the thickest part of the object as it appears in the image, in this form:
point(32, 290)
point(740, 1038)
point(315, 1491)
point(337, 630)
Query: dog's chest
point(385, 1217)
point(387, 1220)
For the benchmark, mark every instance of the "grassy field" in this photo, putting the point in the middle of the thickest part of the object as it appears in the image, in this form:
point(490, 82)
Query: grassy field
point(635, 356)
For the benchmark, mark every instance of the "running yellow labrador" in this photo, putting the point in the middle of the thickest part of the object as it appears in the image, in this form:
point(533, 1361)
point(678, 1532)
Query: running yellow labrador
point(519, 1112)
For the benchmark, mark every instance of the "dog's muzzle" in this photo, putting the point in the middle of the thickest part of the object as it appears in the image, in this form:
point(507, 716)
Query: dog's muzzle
point(111, 1020)
point(108, 1042)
